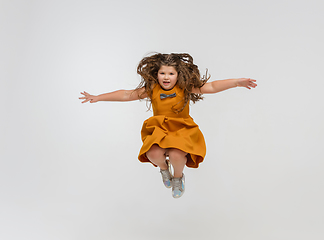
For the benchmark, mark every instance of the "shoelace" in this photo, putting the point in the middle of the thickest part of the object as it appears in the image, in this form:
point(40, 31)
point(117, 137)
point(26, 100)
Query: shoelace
point(166, 175)
point(177, 183)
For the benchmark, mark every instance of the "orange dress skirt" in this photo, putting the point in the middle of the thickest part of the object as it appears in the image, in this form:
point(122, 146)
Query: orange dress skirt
point(171, 130)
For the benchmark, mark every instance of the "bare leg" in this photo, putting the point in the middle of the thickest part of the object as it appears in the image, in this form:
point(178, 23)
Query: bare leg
point(156, 155)
point(178, 160)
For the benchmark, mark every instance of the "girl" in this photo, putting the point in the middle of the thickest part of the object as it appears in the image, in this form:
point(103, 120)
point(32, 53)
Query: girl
point(170, 136)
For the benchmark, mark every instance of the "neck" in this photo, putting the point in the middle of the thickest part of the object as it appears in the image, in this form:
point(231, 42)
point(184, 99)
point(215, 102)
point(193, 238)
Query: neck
point(168, 89)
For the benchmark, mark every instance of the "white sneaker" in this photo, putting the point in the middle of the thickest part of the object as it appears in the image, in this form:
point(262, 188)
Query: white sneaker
point(166, 176)
point(178, 186)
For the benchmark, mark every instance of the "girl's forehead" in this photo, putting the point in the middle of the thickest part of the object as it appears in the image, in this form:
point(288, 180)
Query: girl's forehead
point(167, 68)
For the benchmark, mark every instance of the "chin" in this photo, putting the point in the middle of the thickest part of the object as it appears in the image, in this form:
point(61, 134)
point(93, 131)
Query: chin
point(167, 87)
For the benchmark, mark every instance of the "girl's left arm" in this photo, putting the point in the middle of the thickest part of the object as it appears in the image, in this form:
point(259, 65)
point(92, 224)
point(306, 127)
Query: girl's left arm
point(221, 85)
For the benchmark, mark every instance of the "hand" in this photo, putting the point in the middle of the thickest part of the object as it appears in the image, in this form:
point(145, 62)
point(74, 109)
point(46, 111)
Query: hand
point(89, 97)
point(246, 82)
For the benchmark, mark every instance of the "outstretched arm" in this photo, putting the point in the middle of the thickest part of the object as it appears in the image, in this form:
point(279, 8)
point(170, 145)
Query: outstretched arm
point(119, 95)
point(221, 85)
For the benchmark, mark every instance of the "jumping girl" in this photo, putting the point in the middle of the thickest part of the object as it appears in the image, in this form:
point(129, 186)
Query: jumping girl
point(170, 136)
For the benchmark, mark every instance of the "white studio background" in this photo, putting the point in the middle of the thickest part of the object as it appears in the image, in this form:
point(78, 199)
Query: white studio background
point(69, 171)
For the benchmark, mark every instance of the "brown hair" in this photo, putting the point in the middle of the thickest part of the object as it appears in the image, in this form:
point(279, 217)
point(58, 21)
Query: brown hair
point(188, 74)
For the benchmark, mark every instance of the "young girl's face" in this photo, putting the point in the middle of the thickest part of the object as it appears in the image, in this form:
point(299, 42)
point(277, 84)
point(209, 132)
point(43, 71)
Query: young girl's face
point(167, 77)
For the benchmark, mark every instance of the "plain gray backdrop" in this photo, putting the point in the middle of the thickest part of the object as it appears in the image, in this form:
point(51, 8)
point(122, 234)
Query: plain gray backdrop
point(69, 171)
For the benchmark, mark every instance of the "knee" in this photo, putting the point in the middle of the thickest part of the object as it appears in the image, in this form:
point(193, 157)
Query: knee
point(155, 152)
point(177, 154)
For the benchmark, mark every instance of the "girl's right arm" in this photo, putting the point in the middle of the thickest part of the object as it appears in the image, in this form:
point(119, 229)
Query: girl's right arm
point(119, 95)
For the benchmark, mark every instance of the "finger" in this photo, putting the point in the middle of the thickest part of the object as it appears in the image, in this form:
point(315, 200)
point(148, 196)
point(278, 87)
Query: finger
point(85, 101)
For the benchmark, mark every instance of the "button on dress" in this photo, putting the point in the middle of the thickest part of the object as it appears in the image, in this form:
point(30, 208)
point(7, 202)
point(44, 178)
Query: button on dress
point(172, 130)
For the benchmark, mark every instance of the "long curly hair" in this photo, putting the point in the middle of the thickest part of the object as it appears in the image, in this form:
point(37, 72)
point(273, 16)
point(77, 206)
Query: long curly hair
point(188, 75)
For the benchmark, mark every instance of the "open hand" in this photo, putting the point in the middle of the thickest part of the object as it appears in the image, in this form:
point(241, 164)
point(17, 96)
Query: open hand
point(246, 82)
point(88, 97)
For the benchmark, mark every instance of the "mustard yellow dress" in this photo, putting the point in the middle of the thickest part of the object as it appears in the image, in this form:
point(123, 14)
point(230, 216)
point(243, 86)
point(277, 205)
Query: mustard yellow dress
point(171, 130)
